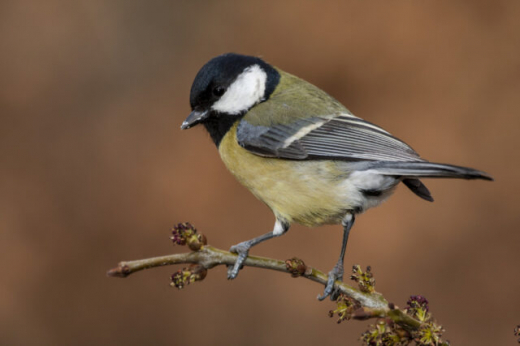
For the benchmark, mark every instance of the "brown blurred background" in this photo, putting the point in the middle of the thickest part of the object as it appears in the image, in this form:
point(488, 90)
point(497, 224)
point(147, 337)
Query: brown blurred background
point(94, 168)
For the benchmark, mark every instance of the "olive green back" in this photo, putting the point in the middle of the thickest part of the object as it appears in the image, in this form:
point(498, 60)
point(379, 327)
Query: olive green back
point(293, 99)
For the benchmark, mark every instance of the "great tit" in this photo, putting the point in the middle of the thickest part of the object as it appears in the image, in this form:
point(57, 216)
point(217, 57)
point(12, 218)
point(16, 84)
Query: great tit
point(302, 152)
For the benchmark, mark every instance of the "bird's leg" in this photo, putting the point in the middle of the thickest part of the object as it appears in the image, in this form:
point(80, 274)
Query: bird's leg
point(242, 249)
point(337, 272)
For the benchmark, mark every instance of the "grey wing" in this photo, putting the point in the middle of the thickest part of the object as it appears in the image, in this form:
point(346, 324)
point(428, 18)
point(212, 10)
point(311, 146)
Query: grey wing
point(340, 137)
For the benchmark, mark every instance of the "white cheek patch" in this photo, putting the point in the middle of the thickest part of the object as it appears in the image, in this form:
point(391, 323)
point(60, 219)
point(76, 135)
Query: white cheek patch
point(246, 91)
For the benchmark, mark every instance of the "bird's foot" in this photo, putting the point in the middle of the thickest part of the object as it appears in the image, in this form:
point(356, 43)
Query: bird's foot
point(242, 251)
point(330, 290)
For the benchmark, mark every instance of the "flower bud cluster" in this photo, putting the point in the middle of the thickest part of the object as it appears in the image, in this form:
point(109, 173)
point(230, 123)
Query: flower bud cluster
point(186, 234)
point(295, 266)
point(186, 276)
point(365, 280)
point(345, 308)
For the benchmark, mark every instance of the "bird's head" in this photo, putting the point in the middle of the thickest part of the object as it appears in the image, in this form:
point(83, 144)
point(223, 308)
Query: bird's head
point(228, 86)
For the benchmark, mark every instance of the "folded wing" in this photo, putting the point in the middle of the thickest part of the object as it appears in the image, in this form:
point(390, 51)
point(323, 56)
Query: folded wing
point(340, 137)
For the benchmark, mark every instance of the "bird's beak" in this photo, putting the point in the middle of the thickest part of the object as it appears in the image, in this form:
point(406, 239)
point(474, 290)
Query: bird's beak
point(194, 118)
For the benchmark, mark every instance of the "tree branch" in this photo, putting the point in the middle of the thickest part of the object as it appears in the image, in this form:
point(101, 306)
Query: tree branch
point(363, 303)
point(210, 257)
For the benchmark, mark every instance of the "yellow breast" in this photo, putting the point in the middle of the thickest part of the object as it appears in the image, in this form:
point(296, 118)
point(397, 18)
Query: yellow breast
point(307, 192)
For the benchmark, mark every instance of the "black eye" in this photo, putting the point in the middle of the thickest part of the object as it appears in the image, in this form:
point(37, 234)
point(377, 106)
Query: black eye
point(218, 91)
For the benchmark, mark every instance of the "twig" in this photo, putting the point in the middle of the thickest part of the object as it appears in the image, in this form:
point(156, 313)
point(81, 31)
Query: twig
point(394, 327)
point(210, 257)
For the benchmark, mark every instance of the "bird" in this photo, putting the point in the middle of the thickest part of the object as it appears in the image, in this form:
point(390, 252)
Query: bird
point(301, 152)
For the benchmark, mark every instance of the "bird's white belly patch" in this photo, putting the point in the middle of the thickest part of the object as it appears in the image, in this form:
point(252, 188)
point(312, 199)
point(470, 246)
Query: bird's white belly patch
point(359, 181)
point(370, 180)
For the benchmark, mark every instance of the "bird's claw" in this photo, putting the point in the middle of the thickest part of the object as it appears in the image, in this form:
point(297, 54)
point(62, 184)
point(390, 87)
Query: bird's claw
point(330, 290)
point(242, 250)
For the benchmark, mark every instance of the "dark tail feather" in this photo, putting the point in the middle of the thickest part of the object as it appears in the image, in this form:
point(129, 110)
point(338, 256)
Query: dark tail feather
point(427, 170)
point(418, 188)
